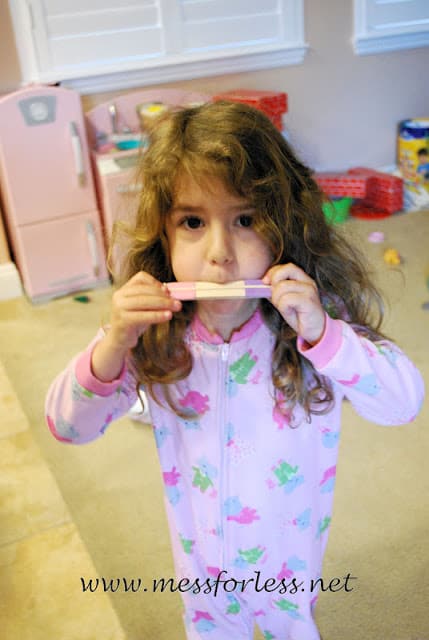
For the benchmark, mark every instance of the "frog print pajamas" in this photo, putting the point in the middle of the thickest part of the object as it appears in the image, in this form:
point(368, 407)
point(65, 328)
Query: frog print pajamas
point(248, 484)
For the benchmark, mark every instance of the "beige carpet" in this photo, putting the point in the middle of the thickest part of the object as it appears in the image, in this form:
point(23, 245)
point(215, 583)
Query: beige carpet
point(112, 488)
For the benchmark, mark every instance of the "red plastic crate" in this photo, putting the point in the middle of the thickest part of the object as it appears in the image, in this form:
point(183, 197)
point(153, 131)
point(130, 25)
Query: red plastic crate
point(342, 185)
point(385, 192)
point(273, 103)
point(361, 210)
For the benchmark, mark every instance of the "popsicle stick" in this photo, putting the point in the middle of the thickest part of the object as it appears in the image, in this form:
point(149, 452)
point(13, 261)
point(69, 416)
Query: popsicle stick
point(215, 291)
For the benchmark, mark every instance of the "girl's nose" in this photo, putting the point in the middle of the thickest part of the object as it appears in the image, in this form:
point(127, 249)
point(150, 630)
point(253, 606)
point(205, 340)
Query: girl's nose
point(219, 247)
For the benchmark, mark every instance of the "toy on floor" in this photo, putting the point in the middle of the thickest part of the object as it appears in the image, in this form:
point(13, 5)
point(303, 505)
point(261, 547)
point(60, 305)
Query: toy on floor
point(337, 210)
point(342, 185)
point(376, 194)
point(384, 191)
point(359, 210)
point(392, 257)
point(376, 237)
point(84, 299)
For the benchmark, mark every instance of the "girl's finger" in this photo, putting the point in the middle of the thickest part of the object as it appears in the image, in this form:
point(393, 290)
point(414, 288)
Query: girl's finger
point(305, 290)
point(287, 271)
point(138, 293)
point(144, 318)
point(296, 301)
point(139, 302)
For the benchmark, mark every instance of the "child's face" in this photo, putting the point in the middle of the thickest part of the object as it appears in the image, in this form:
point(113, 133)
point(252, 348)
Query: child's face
point(211, 236)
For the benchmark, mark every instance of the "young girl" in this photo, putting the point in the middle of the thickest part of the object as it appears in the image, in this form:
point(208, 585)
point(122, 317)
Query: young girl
point(245, 394)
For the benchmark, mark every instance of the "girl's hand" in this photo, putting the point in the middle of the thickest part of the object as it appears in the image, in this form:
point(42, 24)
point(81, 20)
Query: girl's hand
point(142, 301)
point(296, 297)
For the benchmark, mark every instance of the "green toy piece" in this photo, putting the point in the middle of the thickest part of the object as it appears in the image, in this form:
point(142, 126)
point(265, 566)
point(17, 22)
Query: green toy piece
point(84, 299)
point(337, 211)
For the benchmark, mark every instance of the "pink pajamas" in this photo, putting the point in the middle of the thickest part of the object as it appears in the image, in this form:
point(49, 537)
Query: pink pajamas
point(246, 493)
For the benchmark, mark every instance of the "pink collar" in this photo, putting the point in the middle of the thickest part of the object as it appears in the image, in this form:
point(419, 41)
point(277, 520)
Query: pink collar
point(245, 331)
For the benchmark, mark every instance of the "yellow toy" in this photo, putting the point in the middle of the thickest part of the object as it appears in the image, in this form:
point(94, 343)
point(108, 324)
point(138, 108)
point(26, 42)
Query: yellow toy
point(392, 257)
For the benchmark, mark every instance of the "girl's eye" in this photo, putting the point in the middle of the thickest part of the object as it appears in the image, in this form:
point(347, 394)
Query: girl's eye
point(192, 222)
point(245, 220)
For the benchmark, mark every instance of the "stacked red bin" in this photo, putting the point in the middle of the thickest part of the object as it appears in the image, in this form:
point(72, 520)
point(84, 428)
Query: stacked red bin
point(384, 194)
point(376, 194)
point(341, 185)
point(273, 103)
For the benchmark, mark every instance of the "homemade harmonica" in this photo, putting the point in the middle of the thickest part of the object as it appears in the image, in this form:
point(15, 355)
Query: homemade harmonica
point(215, 291)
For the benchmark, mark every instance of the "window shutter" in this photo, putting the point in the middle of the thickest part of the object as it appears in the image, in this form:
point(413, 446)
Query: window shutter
point(153, 40)
point(387, 25)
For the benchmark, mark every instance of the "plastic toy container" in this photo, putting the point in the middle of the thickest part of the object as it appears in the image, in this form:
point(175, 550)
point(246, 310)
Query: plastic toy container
point(413, 151)
point(413, 160)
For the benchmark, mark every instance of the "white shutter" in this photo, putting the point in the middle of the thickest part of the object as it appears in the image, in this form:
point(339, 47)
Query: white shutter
point(387, 25)
point(110, 44)
point(208, 24)
point(69, 34)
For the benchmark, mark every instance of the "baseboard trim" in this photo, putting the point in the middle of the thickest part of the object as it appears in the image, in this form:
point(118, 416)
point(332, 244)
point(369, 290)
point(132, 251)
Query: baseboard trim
point(10, 283)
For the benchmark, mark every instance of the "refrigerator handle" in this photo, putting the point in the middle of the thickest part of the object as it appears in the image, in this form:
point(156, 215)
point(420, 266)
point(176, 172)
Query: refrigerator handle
point(93, 249)
point(78, 154)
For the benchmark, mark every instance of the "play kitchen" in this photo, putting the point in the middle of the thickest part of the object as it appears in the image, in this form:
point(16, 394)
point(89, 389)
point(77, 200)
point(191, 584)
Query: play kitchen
point(122, 137)
point(118, 134)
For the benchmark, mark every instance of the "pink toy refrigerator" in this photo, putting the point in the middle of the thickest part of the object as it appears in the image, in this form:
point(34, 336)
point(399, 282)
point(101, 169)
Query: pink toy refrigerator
point(48, 192)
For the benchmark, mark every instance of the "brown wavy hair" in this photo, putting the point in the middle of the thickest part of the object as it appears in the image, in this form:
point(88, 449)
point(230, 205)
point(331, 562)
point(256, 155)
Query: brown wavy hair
point(240, 145)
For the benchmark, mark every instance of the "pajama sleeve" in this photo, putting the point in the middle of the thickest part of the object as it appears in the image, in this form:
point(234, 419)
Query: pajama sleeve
point(382, 384)
point(79, 407)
